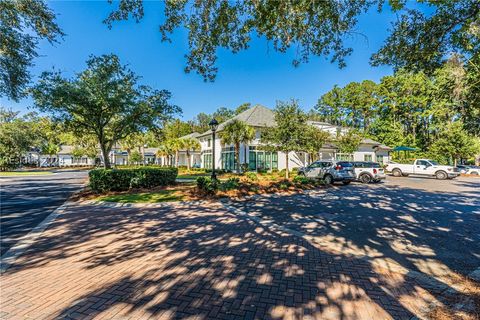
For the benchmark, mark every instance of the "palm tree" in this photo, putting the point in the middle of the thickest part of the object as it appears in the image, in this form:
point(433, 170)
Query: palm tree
point(129, 143)
point(164, 151)
point(176, 145)
point(236, 132)
point(190, 144)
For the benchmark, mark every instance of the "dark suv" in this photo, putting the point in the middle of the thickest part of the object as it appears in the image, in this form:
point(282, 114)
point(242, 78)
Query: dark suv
point(329, 171)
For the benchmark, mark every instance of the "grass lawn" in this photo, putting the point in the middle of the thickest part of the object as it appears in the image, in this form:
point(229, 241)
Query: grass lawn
point(145, 197)
point(192, 176)
point(23, 173)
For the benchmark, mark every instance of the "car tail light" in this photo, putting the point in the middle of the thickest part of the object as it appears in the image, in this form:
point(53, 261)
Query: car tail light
point(338, 167)
point(374, 170)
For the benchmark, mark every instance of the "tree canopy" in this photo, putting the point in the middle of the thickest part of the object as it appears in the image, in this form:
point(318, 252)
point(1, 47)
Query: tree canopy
point(288, 133)
point(420, 39)
point(105, 100)
point(22, 24)
point(411, 108)
point(17, 136)
point(423, 41)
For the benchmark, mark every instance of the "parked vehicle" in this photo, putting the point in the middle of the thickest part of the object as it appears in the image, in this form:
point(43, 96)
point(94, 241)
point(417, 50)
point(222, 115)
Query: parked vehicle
point(463, 168)
point(475, 170)
point(367, 172)
point(329, 171)
point(424, 167)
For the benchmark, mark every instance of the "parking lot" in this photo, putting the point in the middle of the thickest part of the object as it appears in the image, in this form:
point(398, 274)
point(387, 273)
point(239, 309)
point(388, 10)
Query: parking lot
point(385, 251)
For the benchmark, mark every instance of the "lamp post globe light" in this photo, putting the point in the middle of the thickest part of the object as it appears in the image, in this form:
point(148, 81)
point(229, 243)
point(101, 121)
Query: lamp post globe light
point(213, 125)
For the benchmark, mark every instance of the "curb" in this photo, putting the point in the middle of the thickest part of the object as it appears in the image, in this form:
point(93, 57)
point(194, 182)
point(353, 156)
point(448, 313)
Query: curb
point(27, 240)
point(107, 204)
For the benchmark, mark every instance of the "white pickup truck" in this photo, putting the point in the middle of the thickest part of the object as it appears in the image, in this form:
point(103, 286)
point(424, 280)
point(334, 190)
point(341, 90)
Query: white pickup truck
point(424, 167)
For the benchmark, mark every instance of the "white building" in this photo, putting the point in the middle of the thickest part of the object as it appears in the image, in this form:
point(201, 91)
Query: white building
point(253, 153)
point(261, 118)
point(63, 158)
point(183, 156)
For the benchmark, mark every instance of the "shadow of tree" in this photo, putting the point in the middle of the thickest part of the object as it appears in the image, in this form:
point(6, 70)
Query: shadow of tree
point(180, 261)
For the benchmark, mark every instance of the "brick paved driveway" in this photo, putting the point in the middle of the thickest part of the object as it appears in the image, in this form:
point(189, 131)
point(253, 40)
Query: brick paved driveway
point(207, 262)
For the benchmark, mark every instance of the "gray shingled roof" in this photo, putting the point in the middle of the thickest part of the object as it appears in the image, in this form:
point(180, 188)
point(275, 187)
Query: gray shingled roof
point(65, 149)
point(191, 135)
point(257, 116)
point(376, 143)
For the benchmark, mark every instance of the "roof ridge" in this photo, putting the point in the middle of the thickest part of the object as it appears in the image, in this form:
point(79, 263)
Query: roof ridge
point(251, 113)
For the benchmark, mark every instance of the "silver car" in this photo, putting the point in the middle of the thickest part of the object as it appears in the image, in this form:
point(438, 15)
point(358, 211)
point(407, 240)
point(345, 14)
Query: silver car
point(329, 171)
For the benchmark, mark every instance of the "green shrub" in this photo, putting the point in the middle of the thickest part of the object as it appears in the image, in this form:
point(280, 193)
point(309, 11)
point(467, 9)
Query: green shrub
point(303, 180)
point(230, 184)
point(207, 185)
point(102, 180)
point(251, 176)
point(284, 184)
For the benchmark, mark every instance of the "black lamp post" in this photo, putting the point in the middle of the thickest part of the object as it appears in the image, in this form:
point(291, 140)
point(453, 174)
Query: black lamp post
point(213, 125)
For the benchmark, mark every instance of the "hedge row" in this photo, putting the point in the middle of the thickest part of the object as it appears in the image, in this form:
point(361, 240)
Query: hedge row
point(102, 180)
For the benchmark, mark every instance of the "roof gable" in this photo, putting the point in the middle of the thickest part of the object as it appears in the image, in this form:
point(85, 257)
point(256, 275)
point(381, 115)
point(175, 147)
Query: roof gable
point(191, 135)
point(257, 116)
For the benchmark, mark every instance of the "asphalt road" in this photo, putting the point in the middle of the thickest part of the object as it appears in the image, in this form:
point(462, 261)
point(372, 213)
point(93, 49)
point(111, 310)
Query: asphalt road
point(25, 201)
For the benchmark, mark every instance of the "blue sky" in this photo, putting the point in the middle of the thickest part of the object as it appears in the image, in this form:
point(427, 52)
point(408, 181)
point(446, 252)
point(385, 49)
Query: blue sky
point(258, 75)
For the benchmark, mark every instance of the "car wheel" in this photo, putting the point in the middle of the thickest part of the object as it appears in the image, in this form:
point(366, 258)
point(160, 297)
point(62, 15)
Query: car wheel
point(474, 173)
point(365, 178)
point(441, 175)
point(397, 172)
point(328, 179)
point(346, 182)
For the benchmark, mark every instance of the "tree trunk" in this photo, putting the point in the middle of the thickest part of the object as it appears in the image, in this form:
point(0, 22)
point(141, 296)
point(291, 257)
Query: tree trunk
point(106, 160)
point(189, 165)
point(245, 155)
point(237, 156)
point(287, 173)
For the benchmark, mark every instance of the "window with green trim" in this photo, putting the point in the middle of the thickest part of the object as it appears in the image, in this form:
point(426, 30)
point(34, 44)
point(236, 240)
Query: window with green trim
point(228, 159)
point(207, 160)
point(367, 157)
point(262, 160)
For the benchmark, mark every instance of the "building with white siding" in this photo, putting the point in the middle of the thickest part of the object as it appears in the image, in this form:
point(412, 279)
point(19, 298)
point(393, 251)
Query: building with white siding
point(253, 153)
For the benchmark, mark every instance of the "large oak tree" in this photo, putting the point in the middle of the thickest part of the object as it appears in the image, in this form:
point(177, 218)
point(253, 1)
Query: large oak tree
point(105, 100)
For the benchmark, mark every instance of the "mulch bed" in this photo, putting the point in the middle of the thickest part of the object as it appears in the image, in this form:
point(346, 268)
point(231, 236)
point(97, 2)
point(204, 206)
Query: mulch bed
point(192, 193)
